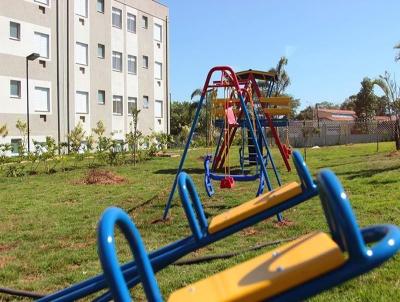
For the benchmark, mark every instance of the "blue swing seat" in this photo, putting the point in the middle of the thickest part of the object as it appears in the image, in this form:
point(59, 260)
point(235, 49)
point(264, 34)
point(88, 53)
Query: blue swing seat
point(296, 271)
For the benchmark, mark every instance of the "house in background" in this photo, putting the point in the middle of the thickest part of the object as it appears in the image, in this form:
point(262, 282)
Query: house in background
point(97, 60)
point(334, 115)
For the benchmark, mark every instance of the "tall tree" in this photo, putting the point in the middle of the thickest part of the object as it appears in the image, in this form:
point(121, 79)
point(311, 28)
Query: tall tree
point(349, 103)
point(283, 80)
point(305, 114)
point(392, 92)
point(365, 101)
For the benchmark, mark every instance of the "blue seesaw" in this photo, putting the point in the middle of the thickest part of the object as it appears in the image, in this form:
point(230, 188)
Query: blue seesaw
point(204, 233)
point(293, 272)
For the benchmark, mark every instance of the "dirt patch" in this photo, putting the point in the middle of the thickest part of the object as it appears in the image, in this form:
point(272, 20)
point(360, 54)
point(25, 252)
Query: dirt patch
point(283, 223)
point(6, 247)
point(249, 232)
point(101, 177)
point(394, 154)
point(4, 260)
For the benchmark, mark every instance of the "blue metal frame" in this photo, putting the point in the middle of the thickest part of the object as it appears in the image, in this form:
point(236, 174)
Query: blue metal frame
point(200, 237)
point(341, 220)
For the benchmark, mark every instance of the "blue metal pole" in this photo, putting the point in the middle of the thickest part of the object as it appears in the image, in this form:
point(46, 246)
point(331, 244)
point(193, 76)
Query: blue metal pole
point(196, 118)
point(265, 141)
point(259, 154)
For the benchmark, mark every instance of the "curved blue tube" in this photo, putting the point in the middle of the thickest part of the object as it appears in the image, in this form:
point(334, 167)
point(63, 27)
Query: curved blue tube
point(109, 261)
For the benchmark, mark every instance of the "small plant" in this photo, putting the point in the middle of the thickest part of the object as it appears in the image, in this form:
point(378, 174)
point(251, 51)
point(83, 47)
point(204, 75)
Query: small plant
point(23, 131)
point(15, 171)
point(164, 141)
point(134, 136)
point(76, 137)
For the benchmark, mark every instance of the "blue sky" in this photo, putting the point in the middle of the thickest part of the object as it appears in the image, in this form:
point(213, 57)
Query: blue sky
point(331, 45)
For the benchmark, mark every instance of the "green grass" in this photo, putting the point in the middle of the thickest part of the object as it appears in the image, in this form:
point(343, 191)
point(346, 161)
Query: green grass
point(48, 223)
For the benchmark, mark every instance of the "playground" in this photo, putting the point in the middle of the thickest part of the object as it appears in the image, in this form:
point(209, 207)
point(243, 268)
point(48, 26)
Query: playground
point(49, 238)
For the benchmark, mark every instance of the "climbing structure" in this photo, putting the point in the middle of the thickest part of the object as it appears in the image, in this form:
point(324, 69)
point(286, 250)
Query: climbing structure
point(236, 109)
point(272, 112)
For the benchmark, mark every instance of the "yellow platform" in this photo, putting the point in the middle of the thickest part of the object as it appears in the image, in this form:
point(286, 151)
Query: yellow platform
point(269, 274)
point(254, 206)
point(277, 111)
point(276, 100)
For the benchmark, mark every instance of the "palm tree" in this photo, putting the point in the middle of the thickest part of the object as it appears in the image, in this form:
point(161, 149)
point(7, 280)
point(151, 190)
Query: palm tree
point(283, 80)
point(392, 93)
point(397, 58)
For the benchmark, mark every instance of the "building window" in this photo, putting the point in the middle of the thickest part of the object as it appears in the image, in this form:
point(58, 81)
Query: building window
point(43, 1)
point(145, 62)
point(132, 64)
point(100, 6)
point(132, 104)
point(157, 70)
point(16, 143)
point(145, 102)
point(81, 53)
point(118, 107)
point(15, 31)
point(101, 97)
point(117, 61)
point(158, 109)
point(81, 7)
point(131, 23)
point(15, 89)
point(82, 102)
point(101, 51)
point(158, 32)
point(41, 101)
point(42, 44)
point(145, 22)
point(116, 17)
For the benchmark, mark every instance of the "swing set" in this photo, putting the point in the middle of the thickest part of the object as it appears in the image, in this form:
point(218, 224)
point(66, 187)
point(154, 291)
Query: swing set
point(246, 103)
point(236, 109)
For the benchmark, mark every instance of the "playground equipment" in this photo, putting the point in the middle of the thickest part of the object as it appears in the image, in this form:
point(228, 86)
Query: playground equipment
point(235, 110)
point(203, 234)
point(293, 272)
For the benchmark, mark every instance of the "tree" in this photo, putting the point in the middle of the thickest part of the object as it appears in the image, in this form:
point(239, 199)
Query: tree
point(305, 114)
point(365, 102)
point(180, 116)
point(392, 92)
point(283, 80)
point(397, 58)
point(294, 105)
point(327, 105)
point(349, 103)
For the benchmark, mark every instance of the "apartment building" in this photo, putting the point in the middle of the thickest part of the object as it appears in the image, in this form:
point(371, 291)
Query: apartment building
point(97, 59)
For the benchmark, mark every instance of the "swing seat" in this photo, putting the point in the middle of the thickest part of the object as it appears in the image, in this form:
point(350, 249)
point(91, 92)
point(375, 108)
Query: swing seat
point(254, 206)
point(227, 182)
point(269, 274)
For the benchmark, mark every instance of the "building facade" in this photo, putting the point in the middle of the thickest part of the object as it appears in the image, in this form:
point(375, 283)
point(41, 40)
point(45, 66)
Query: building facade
point(97, 60)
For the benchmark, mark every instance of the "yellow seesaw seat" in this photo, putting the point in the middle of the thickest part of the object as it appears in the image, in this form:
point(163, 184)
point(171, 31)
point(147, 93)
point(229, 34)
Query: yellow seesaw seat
point(269, 274)
point(254, 206)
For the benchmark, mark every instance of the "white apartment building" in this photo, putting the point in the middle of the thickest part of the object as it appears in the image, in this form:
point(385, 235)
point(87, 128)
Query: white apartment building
point(97, 59)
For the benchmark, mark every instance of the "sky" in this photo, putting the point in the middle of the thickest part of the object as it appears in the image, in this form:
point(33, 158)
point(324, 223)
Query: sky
point(331, 45)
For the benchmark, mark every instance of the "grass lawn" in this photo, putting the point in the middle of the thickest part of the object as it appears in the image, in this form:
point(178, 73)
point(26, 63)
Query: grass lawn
point(48, 222)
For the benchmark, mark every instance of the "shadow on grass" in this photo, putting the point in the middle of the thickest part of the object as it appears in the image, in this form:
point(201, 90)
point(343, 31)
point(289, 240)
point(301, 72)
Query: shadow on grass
point(383, 182)
point(173, 171)
point(367, 173)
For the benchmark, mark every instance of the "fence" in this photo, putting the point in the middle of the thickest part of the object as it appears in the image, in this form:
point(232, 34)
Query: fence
point(329, 133)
